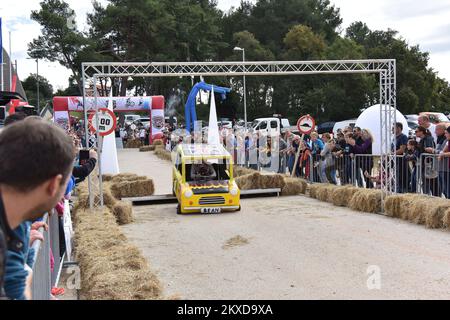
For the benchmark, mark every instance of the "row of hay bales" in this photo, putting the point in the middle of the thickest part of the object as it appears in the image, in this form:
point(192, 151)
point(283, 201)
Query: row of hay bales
point(432, 212)
point(160, 151)
point(366, 200)
point(147, 148)
point(111, 268)
point(133, 144)
point(116, 187)
point(158, 143)
point(248, 179)
point(163, 154)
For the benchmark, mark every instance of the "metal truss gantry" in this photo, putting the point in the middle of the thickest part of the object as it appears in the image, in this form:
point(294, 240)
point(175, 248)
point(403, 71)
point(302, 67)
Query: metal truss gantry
point(386, 68)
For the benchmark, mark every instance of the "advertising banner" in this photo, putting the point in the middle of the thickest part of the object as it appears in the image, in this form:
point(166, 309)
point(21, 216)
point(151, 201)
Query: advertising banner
point(122, 104)
point(157, 123)
point(62, 120)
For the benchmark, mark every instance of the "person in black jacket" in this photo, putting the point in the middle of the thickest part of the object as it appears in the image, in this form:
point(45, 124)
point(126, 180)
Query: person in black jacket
point(80, 173)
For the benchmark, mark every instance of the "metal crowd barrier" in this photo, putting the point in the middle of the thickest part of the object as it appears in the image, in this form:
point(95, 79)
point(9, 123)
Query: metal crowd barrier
point(426, 174)
point(433, 175)
point(43, 276)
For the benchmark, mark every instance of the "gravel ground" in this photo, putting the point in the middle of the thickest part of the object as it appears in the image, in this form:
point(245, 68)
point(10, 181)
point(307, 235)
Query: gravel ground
point(286, 248)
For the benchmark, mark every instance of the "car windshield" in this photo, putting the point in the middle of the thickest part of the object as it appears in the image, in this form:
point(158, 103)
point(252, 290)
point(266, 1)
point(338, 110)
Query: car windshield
point(207, 170)
point(440, 117)
point(413, 125)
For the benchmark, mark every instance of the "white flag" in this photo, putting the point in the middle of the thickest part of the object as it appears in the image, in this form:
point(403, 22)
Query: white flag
point(213, 130)
point(110, 163)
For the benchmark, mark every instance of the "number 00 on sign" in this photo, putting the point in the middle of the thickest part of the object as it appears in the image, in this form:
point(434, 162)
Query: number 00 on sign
point(107, 122)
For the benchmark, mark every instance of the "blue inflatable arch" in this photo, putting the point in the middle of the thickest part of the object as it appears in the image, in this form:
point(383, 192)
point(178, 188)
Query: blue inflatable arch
point(190, 113)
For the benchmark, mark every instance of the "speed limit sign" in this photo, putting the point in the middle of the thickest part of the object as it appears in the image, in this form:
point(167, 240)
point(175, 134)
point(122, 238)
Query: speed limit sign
point(106, 120)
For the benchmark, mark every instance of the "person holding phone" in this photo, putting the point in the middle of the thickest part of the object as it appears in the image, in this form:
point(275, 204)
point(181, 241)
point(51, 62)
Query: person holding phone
point(88, 161)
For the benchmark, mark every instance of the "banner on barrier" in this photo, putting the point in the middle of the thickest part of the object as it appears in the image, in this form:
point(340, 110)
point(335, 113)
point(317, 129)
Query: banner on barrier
point(62, 119)
point(119, 103)
point(158, 122)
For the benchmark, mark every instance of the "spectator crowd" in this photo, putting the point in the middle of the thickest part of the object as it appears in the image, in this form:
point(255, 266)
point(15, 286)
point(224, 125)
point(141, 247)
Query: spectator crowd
point(422, 163)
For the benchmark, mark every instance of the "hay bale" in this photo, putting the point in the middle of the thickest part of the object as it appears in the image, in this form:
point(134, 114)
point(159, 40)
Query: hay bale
point(129, 178)
point(107, 177)
point(294, 186)
point(324, 192)
point(272, 181)
point(111, 268)
point(314, 188)
point(249, 182)
point(163, 154)
point(133, 144)
point(158, 142)
point(435, 216)
point(366, 200)
point(123, 211)
point(122, 177)
point(108, 199)
point(129, 189)
point(256, 180)
point(446, 219)
point(147, 148)
point(393, 206)
point(342, 196)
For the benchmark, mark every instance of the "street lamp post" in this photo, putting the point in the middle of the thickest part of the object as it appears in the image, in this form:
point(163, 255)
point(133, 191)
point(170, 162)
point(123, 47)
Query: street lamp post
point(245, 85)
point(37, 83)
point(37, 78)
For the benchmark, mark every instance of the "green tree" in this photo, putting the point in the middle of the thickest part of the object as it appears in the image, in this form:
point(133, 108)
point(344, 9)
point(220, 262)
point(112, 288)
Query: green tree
point(58, 42)
point(71, 90)
point(303, 44)
point(415, 79)
point(271, 20)
point(45, 90)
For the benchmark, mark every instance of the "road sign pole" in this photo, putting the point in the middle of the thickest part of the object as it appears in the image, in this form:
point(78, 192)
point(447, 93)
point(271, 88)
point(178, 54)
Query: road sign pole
point(297, 156)
point(305, 126)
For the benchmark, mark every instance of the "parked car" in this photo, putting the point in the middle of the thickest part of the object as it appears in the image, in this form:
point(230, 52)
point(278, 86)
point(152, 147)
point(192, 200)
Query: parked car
point(437, 117)
point(272, 126)
point(145, 121)
point(412, 117)
point(225, 124)
point(131, 118)
point(171, 120)
point(326, 127)
point(343, 124)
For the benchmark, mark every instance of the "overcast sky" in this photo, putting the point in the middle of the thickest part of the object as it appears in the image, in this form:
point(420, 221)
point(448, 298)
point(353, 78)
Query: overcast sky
point(425, 23)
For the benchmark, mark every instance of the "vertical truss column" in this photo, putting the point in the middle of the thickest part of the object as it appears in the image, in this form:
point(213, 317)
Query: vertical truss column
point(388, 118)
point(92, 141)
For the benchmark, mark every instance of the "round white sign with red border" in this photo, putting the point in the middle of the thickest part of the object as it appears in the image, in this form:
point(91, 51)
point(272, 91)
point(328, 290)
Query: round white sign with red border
point(107, 122)
point(306, 124)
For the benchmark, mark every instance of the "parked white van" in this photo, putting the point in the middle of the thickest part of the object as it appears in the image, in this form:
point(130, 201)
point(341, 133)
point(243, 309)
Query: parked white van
point(343, 124)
